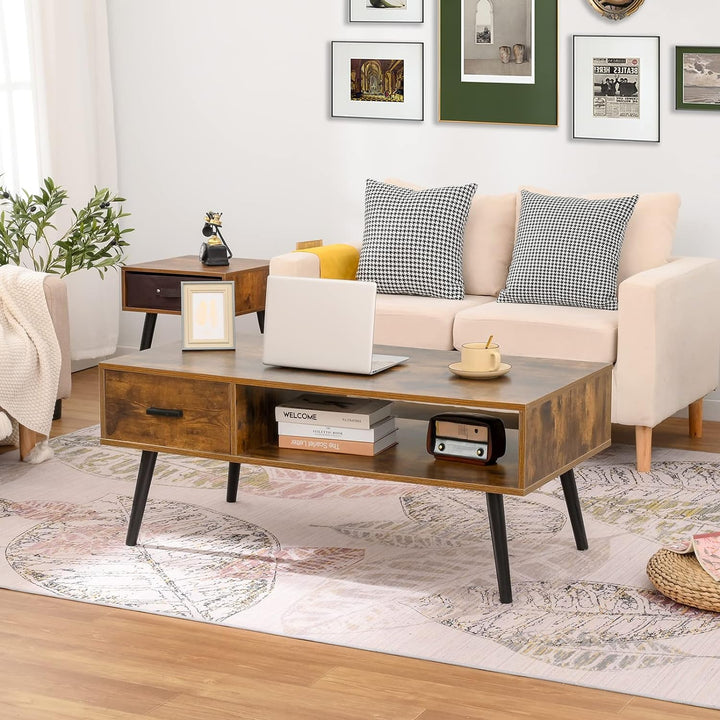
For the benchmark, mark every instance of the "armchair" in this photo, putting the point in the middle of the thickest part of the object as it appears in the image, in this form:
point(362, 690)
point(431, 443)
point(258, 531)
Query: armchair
point(55, 295)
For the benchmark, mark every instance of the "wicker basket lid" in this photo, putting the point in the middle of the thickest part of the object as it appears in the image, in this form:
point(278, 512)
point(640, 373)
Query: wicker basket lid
point(682, 579)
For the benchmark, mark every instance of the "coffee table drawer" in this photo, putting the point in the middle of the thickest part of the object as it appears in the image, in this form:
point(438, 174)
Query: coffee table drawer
point(156, 291)
point(168, 412)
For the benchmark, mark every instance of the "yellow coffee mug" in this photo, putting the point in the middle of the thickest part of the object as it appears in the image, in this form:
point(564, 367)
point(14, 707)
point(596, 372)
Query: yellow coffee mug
point(480, 357)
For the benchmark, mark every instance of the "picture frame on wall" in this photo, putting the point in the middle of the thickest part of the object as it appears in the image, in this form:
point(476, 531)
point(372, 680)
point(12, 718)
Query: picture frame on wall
point(616, 87)
point(377, 80)
point(615, 9)
point(697, 78)
point(400, 11)
point(207, 310)
point(498, 63)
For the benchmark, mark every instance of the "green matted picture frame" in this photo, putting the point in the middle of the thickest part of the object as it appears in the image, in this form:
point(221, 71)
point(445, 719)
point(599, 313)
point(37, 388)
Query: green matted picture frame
point(501, 98)
point(697, 77)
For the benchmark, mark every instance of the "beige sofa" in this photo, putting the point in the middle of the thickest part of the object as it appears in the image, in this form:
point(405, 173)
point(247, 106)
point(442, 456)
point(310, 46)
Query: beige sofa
point(664, 339)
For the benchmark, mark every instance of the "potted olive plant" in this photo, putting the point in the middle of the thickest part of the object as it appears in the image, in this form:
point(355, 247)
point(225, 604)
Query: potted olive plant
point(94, 238)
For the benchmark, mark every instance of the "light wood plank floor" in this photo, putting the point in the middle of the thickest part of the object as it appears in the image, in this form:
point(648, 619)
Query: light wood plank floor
point(62, 659)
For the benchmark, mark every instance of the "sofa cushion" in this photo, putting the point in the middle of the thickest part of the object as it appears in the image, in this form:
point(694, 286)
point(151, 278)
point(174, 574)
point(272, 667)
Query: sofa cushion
point(567, 251)
point(338, 261)
point(413, 239)
point(413, 321)
point(489, 239)
point(542, 331)
point(650, 233)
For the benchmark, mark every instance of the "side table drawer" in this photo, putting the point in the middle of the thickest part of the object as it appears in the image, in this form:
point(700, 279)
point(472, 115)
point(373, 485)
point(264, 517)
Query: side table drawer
point(155, 291)
point(167, 412)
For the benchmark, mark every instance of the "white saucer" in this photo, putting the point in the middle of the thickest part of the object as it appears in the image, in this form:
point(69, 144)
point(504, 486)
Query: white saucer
point(477, 374)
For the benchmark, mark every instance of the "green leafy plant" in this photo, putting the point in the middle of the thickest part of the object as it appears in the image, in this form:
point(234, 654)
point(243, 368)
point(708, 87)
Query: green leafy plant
point(28, 236)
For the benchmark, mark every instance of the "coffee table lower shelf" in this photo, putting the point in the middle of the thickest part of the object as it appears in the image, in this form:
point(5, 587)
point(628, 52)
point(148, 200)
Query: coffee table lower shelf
point(294, 459)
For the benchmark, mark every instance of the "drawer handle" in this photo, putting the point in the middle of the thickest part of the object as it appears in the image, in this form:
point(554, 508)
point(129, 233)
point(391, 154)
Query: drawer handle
point(164, 412)
point(167, 292)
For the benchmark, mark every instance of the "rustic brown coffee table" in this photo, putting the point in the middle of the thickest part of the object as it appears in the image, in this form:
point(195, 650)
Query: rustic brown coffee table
point(220, 404)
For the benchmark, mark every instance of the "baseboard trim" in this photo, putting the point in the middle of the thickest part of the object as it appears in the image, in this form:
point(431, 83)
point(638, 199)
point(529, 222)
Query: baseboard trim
point(711, 411)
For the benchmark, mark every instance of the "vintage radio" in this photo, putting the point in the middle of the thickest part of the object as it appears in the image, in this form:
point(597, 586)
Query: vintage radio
point(466, 437)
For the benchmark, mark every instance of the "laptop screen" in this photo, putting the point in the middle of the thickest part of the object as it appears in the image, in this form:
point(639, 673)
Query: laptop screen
point(319, 324)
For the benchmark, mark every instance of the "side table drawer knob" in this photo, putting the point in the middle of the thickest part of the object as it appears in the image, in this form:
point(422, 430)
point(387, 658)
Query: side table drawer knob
point(167, 292)
point(164, 412)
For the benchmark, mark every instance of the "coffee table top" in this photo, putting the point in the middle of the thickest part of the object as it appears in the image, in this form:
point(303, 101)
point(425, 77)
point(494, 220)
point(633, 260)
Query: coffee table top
point(423, 378)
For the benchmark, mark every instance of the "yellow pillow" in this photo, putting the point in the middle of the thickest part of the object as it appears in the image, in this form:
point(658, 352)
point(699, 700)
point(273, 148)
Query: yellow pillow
point(339, 261)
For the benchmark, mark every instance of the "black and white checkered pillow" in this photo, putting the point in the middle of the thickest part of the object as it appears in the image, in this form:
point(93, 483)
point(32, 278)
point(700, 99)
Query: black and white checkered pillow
point(413, 239)
point(567, 251)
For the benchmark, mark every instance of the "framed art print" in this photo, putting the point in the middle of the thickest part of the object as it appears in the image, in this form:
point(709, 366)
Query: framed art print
point(381, 80)
point(616, 87)
point(498, 63)
point(410, 11)
point(208, 315)
point(697, 78)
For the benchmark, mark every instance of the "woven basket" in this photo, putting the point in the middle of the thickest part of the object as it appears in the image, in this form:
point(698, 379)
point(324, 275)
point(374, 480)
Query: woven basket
point(682, 579)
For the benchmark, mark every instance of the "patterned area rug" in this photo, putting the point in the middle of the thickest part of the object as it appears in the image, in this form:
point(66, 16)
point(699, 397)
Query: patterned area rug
point(383, 566)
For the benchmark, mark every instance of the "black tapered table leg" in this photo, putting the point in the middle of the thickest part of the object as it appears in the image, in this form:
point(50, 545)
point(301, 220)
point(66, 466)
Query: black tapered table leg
point(261, 320)
point(142, 487)
point(233, 477)
point(496, 516)
point(148, 330)
point(572, 501)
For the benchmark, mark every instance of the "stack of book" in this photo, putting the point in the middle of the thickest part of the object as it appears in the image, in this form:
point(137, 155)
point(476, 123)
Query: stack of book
point(331, 423)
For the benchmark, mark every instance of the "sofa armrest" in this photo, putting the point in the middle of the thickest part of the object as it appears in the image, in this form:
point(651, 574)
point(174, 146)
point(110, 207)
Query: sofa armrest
point(296, 264)
point(306, 264)
point(57, 301)
point(668, 340)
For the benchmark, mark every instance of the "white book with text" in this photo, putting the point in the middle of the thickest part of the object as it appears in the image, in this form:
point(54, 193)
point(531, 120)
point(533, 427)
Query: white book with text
point(333, 411)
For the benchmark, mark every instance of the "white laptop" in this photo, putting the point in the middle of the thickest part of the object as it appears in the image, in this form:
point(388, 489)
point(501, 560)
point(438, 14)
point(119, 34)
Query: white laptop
point(321, 324)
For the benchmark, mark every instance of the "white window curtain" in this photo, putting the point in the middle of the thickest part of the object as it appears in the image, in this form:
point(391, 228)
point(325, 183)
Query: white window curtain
point(77, 146)
point(18, 136)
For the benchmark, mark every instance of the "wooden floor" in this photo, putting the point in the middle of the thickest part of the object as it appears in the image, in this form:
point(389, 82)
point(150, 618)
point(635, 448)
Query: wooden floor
point(62, 659)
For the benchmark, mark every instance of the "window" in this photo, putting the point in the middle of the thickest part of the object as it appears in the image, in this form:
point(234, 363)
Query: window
point(18, 130)
point(484, 23)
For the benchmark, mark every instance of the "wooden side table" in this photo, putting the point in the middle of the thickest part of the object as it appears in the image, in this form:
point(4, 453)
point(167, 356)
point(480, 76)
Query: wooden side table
point(154, 287)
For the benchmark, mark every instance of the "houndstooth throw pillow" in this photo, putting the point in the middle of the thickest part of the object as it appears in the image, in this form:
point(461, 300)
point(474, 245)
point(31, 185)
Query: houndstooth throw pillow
point(413, 239)
point(567, 251)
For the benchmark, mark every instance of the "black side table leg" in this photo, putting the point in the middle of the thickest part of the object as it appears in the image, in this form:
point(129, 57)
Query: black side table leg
point(142, 487)
point(233, 477)
point(261, 320)
point(148, 330)
point(496, 516)
point(574, 510)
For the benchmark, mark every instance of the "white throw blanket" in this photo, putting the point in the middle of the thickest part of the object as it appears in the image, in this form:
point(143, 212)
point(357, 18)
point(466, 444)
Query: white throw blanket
point(29, 350)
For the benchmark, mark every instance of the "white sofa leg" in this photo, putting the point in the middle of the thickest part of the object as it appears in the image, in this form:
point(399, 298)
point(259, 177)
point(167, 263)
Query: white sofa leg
point(643, 447)
point(695, 417)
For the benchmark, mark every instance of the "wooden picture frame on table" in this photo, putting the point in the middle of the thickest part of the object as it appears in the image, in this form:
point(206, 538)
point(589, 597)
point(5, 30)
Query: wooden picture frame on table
point(208, 315)
point(697, 77)
point(398, 11)
point(616, 87)
point(378, 80)
point(500, 66)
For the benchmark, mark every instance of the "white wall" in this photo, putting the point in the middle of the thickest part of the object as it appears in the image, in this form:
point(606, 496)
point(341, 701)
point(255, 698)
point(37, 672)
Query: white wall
point(225, 105)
